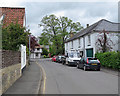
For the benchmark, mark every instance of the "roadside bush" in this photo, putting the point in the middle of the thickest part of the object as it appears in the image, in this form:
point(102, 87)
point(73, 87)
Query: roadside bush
point(109, 59)
point(44, 56)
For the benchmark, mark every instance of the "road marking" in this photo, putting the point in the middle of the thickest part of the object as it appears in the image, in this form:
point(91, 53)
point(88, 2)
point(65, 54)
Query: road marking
point(44, 78)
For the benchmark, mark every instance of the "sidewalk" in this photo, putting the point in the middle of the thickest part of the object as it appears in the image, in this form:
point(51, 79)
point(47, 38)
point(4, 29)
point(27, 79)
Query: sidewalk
point(29, 82)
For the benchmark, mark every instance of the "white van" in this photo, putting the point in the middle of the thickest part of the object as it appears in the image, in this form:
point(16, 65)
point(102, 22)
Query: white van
point(73, 58)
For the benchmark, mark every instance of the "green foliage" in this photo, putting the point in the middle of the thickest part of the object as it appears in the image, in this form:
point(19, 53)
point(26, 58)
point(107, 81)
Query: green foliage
point(13, 36)
point(45, 51)
point(57, 30)
point(109, 59)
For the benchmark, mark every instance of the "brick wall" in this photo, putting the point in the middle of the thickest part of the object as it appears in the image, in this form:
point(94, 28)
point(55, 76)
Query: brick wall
point(10, 58)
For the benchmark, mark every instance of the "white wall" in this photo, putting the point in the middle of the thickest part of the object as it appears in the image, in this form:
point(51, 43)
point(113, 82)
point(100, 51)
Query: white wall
point(23, 56)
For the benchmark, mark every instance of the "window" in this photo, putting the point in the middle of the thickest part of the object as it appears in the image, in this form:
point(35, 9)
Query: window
point(89, 40)
point(79, 43)
point(72, 44)
point(38, 49)
point(67, 46)
point(36, 54)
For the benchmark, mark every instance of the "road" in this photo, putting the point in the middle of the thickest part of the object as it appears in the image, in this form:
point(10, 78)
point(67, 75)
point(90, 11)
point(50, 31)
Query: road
point(62, 79)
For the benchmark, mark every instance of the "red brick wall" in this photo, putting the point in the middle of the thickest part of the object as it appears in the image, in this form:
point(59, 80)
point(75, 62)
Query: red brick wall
point(10, 58)
point(13, 15)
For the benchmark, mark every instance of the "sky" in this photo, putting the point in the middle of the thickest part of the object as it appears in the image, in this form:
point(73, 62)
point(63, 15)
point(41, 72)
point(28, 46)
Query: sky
point(83, 11)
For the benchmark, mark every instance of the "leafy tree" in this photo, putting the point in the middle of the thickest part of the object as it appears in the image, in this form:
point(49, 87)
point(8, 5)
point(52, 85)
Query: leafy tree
point(66, 27)
point(50, 25)
point(45, 51)
point(13, 36)
point(44, 39)
point(57, 31)
point(103, 42)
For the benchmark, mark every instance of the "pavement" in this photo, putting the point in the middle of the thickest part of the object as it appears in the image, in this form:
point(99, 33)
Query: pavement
point(29, 82)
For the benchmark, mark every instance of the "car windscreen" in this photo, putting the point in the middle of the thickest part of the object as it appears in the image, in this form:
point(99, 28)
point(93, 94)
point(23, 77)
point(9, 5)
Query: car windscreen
point(73, 55)
point(93, 60)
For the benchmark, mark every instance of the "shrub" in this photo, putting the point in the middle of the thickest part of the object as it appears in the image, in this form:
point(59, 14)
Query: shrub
point(109, 59)
point(44, 56)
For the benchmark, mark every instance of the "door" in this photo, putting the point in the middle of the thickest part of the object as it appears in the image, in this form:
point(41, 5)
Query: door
point(89, 52)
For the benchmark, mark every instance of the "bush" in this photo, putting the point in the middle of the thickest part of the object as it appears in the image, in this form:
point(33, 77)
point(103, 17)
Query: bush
point(109, 59)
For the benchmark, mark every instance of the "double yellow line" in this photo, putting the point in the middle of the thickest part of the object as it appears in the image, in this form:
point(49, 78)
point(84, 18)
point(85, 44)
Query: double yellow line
point(43, 77)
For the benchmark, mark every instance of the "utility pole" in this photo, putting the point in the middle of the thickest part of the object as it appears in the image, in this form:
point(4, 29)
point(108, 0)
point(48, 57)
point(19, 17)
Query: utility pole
point(29, 47)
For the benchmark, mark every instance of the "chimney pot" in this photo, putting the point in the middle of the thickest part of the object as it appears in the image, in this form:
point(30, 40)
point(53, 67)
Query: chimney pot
point(87, 25)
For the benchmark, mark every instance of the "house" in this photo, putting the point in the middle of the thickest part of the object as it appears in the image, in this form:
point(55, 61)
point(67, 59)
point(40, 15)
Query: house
point(35, 48)
point(85, 41)
point(12, 15)
point(36, 53)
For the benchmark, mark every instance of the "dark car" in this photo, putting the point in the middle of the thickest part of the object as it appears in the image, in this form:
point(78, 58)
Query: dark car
point(59, 59)
point(89, 63)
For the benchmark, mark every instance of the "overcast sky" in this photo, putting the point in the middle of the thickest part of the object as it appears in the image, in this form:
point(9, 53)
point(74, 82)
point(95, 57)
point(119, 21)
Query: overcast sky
point(83, 12)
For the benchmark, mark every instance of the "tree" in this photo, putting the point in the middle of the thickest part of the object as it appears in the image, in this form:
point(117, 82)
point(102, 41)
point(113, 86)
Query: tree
point(44, 39)
point(50, 28)
point(66, 27)
point(45, 51)
point(104, 43)
point(57, 30)
point(13, 36)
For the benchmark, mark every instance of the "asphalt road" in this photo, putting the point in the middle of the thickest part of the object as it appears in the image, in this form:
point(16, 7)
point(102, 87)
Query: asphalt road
point(62, 79)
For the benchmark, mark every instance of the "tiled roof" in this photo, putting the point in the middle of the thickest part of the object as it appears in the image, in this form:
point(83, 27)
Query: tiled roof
point(12, 15)
point(97, 27)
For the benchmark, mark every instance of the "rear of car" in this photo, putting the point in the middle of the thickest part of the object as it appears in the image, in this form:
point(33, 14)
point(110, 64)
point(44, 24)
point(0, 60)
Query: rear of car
point(93, 63)
point(89, 63)
point(54, 58)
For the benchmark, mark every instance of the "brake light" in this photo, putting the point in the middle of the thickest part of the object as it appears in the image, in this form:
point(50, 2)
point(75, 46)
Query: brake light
point(87, 60)
point(98, 61)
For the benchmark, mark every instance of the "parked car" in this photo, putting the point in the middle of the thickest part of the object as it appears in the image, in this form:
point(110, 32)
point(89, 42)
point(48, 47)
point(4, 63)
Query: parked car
point(73, 58)
point(59, 58)
point(54, 58)
point(89, 63)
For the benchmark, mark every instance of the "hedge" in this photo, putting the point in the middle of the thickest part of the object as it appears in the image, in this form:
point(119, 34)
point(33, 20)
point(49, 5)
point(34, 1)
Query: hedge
point(109, 59)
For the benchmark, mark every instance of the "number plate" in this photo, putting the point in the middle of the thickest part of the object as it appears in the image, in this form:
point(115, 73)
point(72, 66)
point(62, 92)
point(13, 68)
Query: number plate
point(94, 64)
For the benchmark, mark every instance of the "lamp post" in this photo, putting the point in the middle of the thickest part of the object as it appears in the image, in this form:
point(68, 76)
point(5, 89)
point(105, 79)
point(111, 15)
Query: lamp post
point(29, 47)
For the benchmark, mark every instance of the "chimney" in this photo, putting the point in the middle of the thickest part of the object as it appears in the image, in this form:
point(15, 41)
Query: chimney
point(87, 25)
point(71, 34)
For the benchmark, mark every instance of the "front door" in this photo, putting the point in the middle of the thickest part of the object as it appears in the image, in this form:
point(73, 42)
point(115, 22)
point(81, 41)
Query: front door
point(89, 52)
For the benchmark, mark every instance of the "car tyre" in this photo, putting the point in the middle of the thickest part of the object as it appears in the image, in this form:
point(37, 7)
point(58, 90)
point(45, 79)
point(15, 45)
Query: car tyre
point(98, 69)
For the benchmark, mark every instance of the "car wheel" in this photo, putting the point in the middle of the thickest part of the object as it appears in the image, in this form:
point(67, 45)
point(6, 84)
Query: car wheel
point(68, 64)
point(84, 68)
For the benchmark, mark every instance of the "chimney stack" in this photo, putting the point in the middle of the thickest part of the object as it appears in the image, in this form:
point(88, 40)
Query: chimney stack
point(87, 25)
point(71, 34)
